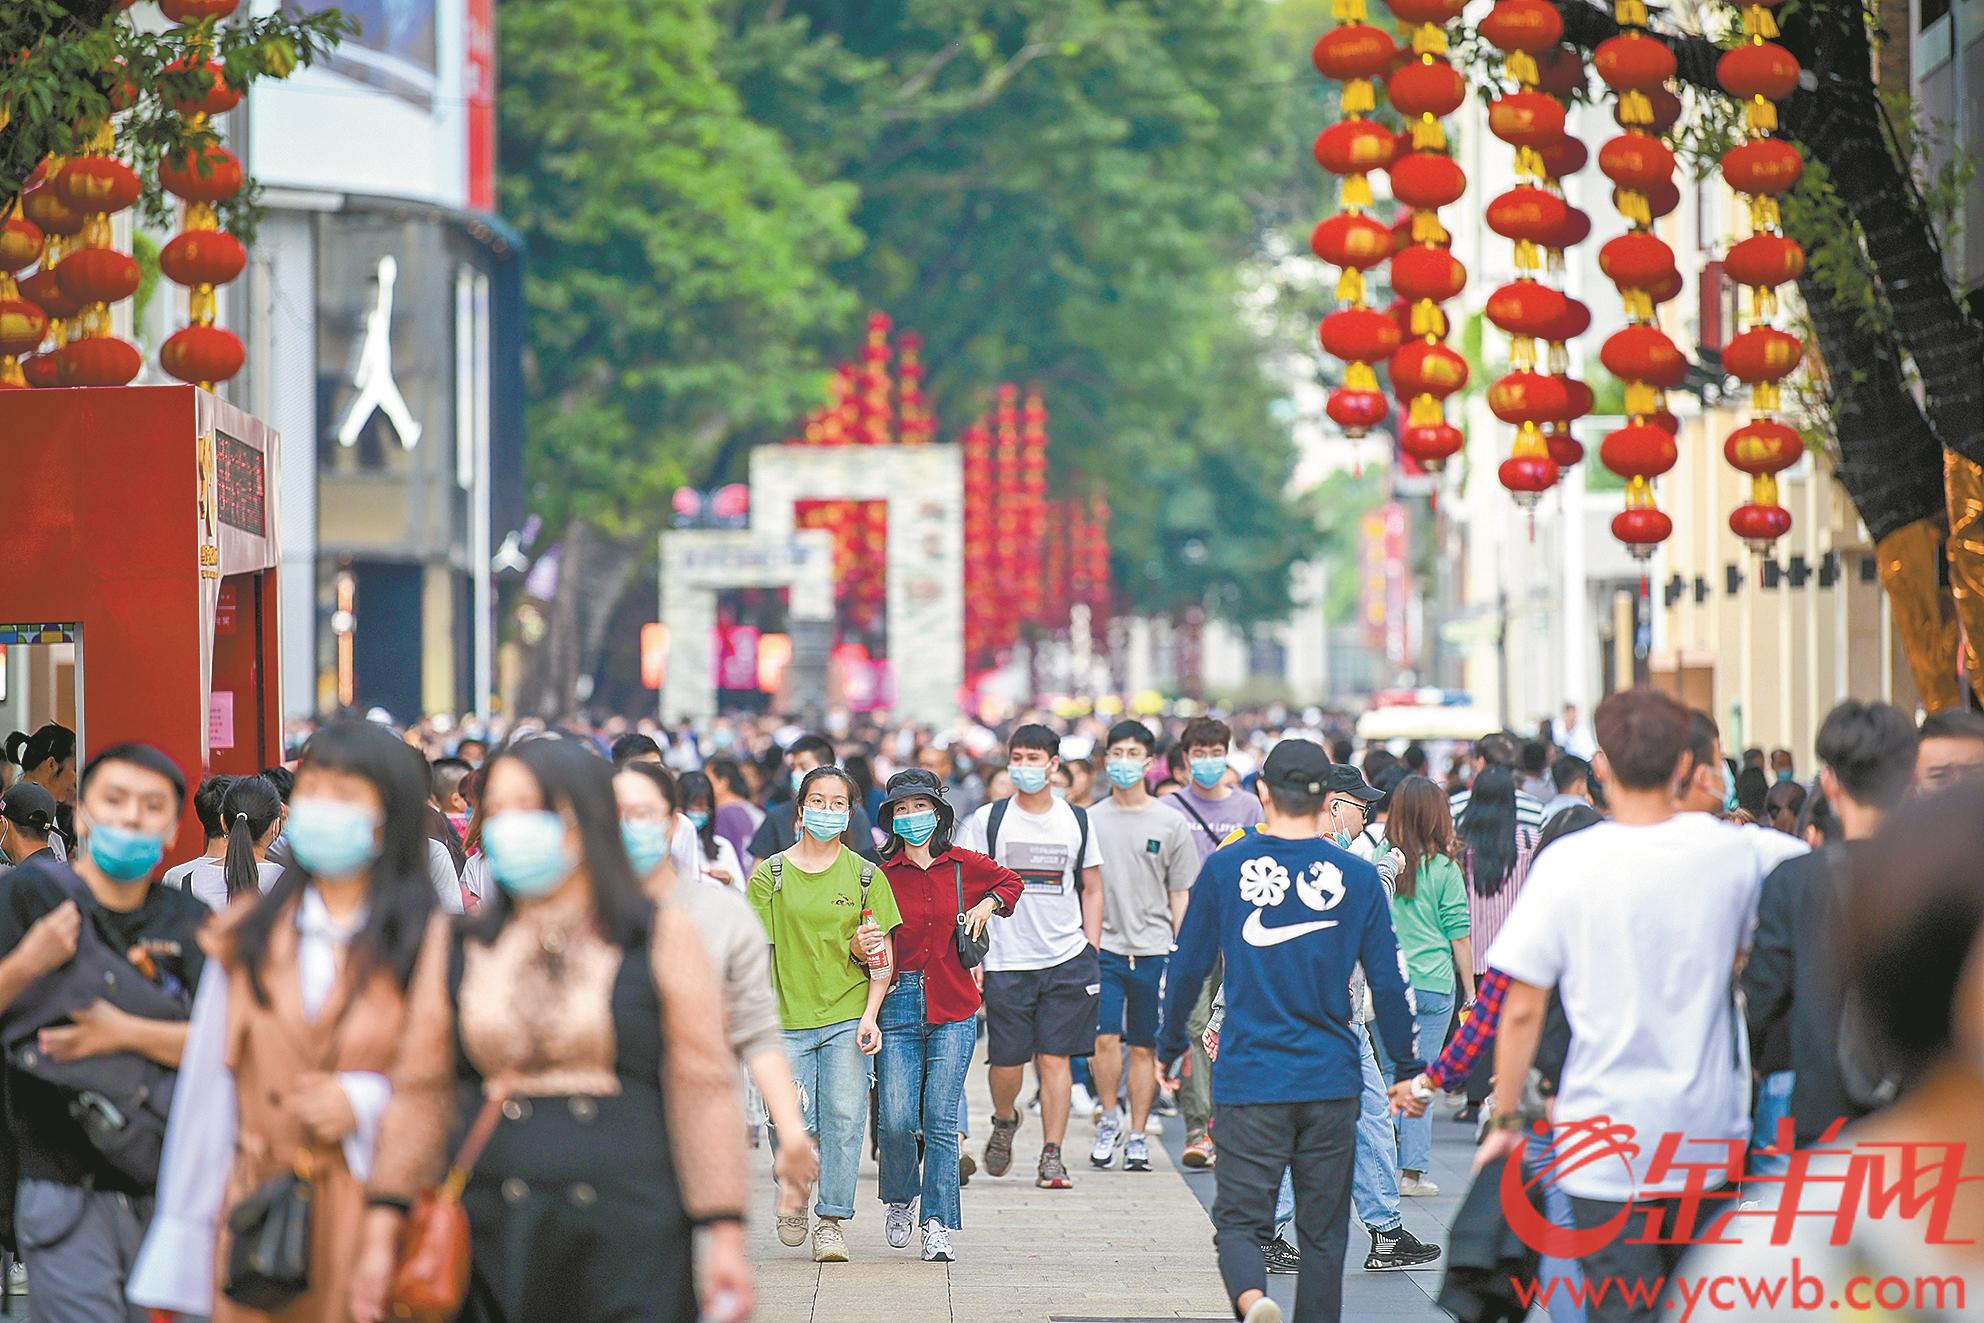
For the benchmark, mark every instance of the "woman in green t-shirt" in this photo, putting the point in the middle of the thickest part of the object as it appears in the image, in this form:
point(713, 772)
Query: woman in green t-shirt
point(810, 899)
point(1429, 916)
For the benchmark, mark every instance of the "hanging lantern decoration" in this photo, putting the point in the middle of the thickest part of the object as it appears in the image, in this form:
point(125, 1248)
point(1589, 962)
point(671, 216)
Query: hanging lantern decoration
point(203, 174)
point(1356, 54)
point(1033, 469)
point(1009, 535)
point(917, 425)
point(1425, 88)
point(22, 322)
point(1095, 574)
point(94, 274)
point(1759, 74)
point(1636, 67)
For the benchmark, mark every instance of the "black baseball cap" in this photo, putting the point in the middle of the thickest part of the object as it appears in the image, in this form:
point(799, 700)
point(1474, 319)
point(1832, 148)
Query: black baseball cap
point(28, 805)
point(1298, 764)
point(1347, 780)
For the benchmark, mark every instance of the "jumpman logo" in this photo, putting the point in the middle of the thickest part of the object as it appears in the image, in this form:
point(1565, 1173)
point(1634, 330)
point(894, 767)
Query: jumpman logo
point(377, 391)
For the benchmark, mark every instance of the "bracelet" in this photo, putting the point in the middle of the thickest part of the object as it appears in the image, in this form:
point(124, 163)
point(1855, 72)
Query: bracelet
point(1507, 1121)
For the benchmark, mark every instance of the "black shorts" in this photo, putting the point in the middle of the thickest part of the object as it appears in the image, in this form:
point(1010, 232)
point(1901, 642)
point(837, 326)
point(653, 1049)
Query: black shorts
point(1042, 1012)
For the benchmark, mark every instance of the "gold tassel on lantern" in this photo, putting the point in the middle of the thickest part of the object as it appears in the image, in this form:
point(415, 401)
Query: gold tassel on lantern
point(1761, 115)
point(1358, 97)
point(1528, 256)
point(1429, 135)
point(1638, 304)
point(1764, 397)
point(1522, 353)
point(1632, 204)
point(1350, 286)
point(1425, 412)
point(1521, 66)
point(1426, 228)
point(1630, 13)
point(1428, 320)
point(1347, 11)
point(1642, 400)
point(1356, 192)
point(1429, 39)
point(1359, 376)
point(1763, 212)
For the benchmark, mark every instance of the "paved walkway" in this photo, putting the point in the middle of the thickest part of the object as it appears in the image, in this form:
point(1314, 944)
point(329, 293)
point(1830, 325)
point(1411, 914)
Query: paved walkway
point(1120, 1246)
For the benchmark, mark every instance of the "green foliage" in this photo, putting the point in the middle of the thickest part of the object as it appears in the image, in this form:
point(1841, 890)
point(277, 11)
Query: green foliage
point(145, 249)
point(59, 88)
point(678, 270)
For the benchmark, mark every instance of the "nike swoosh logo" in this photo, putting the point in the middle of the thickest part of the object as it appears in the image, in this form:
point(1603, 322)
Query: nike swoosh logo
point(1259, 934)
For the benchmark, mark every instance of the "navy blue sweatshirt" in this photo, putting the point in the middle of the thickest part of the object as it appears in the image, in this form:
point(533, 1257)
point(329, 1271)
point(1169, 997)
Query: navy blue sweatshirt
point(1292, 919)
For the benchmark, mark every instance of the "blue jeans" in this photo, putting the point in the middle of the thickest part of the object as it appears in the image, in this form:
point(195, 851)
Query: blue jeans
point(1564, 1306)
point(1374, 1178)
point(922, 1068)
point(1415, 1133)
point(1773, 1105)
point(833, 1083)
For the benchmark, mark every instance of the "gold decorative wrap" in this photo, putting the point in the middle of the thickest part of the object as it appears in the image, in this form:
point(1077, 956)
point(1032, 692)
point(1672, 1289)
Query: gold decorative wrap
point(1964, 482)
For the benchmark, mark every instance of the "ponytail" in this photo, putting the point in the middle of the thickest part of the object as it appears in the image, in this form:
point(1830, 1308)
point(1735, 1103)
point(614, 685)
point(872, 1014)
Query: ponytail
point(15, 746)
point(248, 810)
point(243, 877)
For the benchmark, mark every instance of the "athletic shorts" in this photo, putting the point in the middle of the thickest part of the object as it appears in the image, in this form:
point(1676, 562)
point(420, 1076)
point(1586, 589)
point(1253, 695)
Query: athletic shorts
point(1131, 996)
point(1042, 1012)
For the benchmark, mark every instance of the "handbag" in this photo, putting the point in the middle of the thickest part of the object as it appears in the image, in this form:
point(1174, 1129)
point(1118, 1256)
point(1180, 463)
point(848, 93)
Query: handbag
point(430, 1281)
point(268, 1261)
point(971, 950)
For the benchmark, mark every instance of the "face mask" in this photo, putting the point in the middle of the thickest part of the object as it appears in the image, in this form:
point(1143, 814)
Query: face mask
point(331, 838)
point(1784, 776)
point(823, 824)
point(124, 855)
point(917, 827)
point(697, 820)
point(527, 854)
point(1124, 774)
point(1342, 838)
point(798, 778)
point(1059, 792)
point(1027, 780)
point(647, 845)
point(1728, 789)
point(722, 739)
point(1207, 771)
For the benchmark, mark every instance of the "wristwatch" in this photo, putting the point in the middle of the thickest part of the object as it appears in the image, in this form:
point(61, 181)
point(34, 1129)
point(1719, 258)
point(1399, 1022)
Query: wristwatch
point(1507, 1121)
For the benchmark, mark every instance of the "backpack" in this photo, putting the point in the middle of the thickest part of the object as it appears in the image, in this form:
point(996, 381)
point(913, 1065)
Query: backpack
point(777, 862)
point(992, 837)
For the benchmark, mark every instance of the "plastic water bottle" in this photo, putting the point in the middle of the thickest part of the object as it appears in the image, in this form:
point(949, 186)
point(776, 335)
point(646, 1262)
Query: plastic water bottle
point(878, 959)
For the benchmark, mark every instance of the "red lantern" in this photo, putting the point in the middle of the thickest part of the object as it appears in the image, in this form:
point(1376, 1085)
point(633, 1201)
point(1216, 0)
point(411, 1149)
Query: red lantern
point(1637, 161)
point(22, 325)
point(1354, 146)
point(1666, 288)
point(1432, 444)
point(1663, 109)
point(43, 289)
point(1529, 215)
point(1644, 353)
point(1636, 260)
point(1576, 228)
point(1563, 158)
point(20, 243)
point(1769, 166)
point(203, 257)
point(42, 371)
point(1560, 72)
point(196, 11)
point(1426, 88)
point(209, 175)
point(1354, 50)
point(1357, 411)
point(217, 99)
point(1528, 475)
point(1529, 397)
point(1563, 447)
point(98, 275)
point(1633, 62)
point(1578, 396)
point(1526, 119)
point(1661, 199)
point(1639, 450)
point(1352, 239)
point(98, 361)
point(1759, 525)
point(1524, 307)
point(1523, 25)
point(1572, 321)
point(1642, 529)
point(1436, 12)
point(1422, 367)
point(1427, 180)
point(202, 354)
point(1423, 271)
point(1763, 446)
point(1765, 260)
point(1762, 69)
point(1762, 353)
point(49, 212)
point(97, 183)
point(1359, 335)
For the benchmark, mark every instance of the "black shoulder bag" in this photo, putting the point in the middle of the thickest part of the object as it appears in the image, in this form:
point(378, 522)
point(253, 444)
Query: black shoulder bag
point(971, 950)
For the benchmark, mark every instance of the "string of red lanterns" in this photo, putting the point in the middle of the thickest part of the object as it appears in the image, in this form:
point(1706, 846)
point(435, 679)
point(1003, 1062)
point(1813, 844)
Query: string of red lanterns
point(1760, 73)
point(60, 225)
point(1424, 89)
point(23, 324)
point(1560, 74)
point(980, 544)
point(95, 274)
point(202, 257)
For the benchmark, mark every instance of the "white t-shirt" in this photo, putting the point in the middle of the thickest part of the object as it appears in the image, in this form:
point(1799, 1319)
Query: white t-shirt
point(1045, 928)
point(1639, 929)
point(724, 863)
point(207, 879)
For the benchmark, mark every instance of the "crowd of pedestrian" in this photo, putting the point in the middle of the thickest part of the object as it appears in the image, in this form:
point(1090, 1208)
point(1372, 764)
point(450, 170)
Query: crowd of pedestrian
point(562, 978)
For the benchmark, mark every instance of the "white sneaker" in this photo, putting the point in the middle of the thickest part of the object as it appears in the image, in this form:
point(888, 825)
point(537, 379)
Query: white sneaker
point(897, 1224)
point(1154, 1126)
point(1265, 1310)
point(1416, 1187)
point(829, 1245)
point(1082, 1102)
point(1107, 1132)
point(937, 1243)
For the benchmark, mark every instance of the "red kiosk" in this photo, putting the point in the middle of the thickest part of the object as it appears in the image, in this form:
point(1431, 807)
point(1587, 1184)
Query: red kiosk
point(142, 531)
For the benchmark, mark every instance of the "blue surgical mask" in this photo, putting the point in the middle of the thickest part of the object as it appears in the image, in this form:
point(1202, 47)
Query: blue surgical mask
point(1122, 773)
point(823, 824)
point(647, 845)
point(1784, 774)
point(1207, 771)
point(798, 779)
point(1027, 779)
point(1728, 789)
point(527, 852)
point(124, 855)
point(330, 838)
point(698, 820)
point(1059, 792)
point(917, 827)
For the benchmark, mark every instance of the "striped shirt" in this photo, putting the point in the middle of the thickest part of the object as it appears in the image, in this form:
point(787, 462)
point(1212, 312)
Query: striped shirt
point(1529, 809)
point(1485, 914)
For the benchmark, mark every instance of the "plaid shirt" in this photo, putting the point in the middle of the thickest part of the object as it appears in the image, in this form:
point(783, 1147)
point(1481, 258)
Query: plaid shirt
point(1475, 1031)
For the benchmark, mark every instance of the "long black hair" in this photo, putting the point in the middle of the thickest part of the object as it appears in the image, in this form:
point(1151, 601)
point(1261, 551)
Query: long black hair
point(49, 741)
point(572, 777)
point(696, 788)
point(401, 897)
point(249, 808)
point(1487, 828)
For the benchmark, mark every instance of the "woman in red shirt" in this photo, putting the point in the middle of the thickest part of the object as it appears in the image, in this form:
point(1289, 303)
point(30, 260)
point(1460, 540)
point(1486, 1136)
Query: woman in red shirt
point(927, 1022)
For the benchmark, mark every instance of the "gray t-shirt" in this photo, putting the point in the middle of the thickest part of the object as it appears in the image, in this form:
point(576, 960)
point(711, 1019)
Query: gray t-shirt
point(740, 956)
point(1147, 854)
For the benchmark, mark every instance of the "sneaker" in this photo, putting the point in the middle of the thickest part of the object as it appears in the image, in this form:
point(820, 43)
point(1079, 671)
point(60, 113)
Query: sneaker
point(792, 1230)
point(897, 1223)
point(1081, 1102)
point(1265, 1310)
point(1136, 1153)
point(967, 1168)
point(999, 1148)
point(937, 1243)
point(1033, 1104)
point(1053, 1172)
point(1283, 1257)
point(1398, 1248)
point(17, 1278)
point(1155, 1125)
point(1199, 1152)
point(1416, 1187)
point(829, 1245)
point(1108, 1132)
point(1166, 1105)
